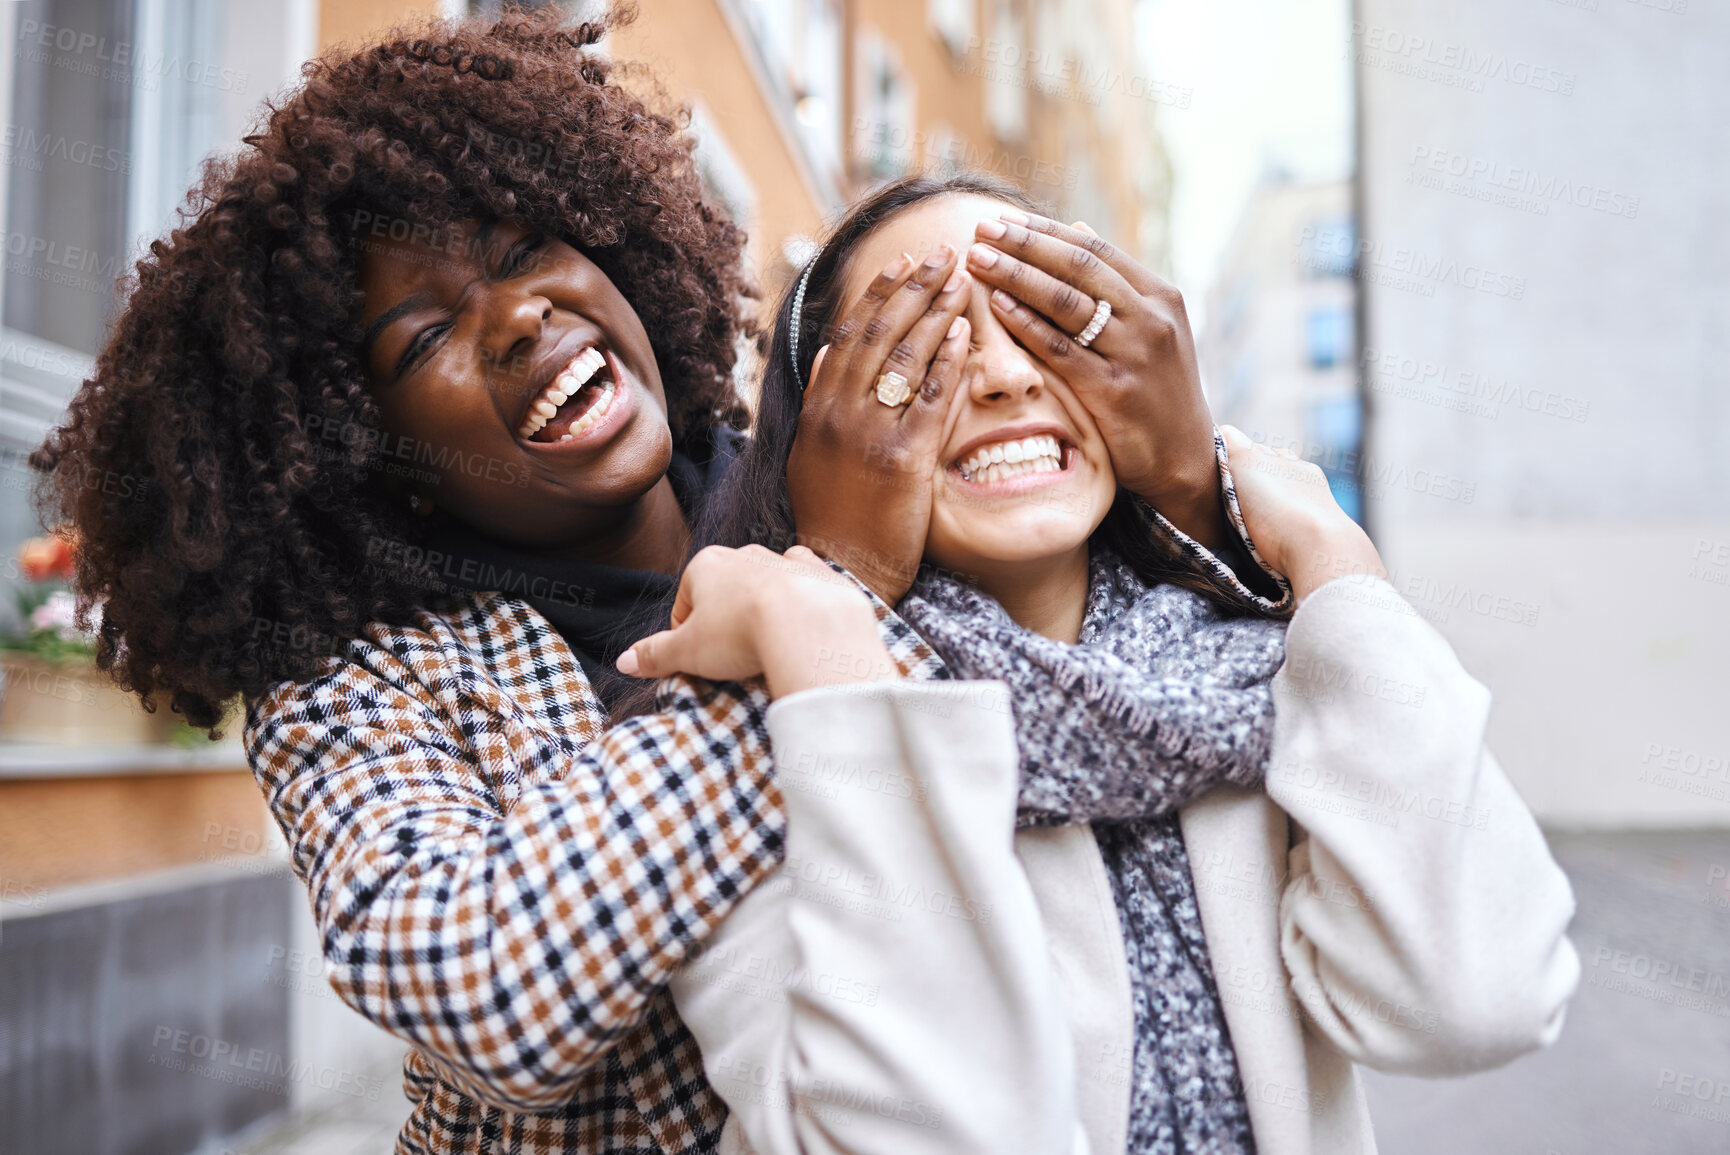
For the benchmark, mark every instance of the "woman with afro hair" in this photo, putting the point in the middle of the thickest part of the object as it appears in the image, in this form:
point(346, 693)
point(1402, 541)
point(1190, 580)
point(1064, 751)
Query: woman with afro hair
point(427, 393)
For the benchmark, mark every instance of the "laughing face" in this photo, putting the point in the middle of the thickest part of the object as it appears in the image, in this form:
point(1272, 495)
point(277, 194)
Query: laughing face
point(1025, 478)
point(517, 383)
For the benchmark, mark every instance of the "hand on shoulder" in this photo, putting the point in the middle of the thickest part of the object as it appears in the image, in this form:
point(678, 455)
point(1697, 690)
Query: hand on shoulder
point(746, 612)
point(1293, 518)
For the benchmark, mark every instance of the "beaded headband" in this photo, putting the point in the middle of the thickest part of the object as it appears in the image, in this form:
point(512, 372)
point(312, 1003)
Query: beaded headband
point(799, 308)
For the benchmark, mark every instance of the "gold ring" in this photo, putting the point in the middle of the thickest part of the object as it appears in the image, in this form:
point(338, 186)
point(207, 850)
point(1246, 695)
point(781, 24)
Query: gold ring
point(893, 390)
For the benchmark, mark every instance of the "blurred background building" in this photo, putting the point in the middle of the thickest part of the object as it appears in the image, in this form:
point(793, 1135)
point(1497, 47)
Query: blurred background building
point(1470, 259)
point(1280, 341)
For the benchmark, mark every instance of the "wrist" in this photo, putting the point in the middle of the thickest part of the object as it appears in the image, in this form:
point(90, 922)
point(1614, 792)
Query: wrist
point(807, 647)
point(1194, 503)
point(1332, 551)
point(1185, 487)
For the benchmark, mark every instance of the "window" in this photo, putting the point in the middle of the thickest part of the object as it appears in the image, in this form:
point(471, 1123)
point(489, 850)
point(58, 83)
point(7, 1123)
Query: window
point(1328, 248)
point(1333, 430)
point(1003, 65)
point(112, 107)
point(69, 165)
point(1328, 336)
point(952, 20)
point(887, 139)
point(495, 8)
point(722, 174)
point(800, 41)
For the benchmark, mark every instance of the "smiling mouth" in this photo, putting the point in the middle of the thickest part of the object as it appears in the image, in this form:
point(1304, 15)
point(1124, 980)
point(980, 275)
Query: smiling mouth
point(1006, 460)
point(578, 396)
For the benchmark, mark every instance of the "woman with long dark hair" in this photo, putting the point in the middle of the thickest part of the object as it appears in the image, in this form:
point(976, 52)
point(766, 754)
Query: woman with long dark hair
point(1261, 854)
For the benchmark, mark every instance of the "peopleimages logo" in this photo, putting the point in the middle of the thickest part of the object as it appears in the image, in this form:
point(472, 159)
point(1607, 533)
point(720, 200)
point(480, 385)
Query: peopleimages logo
point(1324, 248)
point(48, 253)
point(1479, 174)
point(1384, 367)
point(20, 143)
point(120, 60)
point(1460, 64)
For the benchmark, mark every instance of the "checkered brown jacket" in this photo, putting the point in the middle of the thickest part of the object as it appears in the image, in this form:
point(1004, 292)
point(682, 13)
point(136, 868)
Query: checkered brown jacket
point(507, 884)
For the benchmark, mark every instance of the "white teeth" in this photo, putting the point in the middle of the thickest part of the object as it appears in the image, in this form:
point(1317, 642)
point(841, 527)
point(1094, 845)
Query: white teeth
point(1041, 454)
point(561, 389)
point(596, 411)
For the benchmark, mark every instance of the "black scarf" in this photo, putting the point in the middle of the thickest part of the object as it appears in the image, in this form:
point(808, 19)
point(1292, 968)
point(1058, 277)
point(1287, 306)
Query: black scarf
point(598, 609)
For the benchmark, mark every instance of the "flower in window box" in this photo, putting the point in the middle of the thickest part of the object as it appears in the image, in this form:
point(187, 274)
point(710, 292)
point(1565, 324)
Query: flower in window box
point(46, 559)
point(47, 626)
point(52, 691)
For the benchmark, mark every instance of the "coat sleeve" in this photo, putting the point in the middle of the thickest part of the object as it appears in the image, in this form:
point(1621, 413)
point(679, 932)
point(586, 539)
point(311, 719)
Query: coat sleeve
point(512, 947)
point(1237, 571)
point(891, 990)
point(1423, 920)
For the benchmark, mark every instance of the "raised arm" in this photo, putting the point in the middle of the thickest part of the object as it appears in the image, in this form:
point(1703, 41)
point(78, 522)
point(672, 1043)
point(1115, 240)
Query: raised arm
point(1422, 918)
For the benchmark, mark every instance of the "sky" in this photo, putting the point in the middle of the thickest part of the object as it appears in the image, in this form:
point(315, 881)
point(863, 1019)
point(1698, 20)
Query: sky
point(1270, 86)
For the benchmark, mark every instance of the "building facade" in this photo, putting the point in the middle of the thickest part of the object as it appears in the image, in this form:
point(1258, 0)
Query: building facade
point(1278, 349)
point(1544, 192)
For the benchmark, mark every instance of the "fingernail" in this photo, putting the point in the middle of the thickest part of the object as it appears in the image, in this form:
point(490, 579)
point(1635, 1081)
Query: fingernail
point(898, 267)
point(941, 257)
point(955, 328)
point(955, 281)
point(627, 662)
point(1002, 300)
point(990, 230)
point(1014, 216)
point(982, 255)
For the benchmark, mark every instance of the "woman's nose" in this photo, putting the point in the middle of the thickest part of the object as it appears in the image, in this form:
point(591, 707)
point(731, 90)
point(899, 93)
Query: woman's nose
point(1002, 369)
point(515, 319)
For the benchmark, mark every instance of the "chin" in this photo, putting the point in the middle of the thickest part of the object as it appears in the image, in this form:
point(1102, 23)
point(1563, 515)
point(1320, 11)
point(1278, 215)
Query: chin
point(980, 549)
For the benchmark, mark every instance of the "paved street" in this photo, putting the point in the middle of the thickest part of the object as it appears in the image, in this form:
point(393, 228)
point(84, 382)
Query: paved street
point(1659, 899)
point(1610, 1086)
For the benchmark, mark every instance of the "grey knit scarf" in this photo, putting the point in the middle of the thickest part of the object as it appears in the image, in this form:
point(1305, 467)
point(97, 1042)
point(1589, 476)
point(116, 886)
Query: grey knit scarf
point(1162, 688)
point(1162, 700)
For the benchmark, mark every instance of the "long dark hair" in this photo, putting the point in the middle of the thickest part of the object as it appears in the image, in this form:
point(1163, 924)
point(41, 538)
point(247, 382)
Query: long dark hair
point(753, 504)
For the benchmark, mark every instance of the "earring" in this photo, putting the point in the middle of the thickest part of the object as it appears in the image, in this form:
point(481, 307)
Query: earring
point(414, 502)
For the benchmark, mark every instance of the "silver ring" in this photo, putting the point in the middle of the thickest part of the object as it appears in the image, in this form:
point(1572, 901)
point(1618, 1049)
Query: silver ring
point(1101, 314)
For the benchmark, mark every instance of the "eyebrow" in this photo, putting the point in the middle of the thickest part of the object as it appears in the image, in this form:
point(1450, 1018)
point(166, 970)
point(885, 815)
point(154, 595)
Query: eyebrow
point(417, 300)
point(484, 234)
point(388, 318)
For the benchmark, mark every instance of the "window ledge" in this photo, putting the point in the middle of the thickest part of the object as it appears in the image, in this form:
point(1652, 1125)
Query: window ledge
point(37, 760)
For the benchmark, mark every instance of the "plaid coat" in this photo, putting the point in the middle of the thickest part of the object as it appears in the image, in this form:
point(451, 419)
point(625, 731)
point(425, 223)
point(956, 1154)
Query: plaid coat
point(508, 885)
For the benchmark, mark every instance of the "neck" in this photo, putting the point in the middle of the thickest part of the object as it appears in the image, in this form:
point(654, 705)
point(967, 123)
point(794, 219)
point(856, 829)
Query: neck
point(653, 535)
point(1047, 595)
